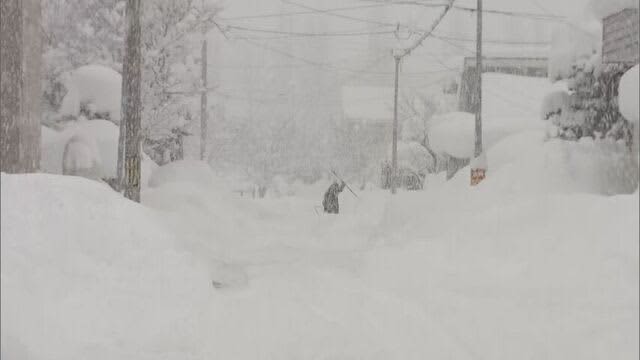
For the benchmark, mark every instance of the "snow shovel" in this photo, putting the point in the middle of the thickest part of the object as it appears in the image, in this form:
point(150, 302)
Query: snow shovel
point(348, 187)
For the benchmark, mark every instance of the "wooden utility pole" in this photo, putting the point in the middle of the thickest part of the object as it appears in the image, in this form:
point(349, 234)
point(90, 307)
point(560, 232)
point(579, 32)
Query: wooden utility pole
point(132, 103)
point(20, 76)
point(394, 146)
point(203, 100)
point(478, 165)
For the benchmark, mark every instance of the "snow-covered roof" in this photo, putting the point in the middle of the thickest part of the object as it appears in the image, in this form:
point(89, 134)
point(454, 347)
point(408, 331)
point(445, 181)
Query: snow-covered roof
point(367, 103)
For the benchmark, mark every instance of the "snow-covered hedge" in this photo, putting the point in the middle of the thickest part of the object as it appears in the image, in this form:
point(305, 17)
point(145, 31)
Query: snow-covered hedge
point(105, 135)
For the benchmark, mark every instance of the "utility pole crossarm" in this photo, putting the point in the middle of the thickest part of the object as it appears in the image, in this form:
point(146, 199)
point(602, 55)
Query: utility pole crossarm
point(427, 33)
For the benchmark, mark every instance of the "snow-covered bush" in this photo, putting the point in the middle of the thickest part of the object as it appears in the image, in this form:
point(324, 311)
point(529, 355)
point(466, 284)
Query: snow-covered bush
point(593, 106)
point(555, 103)
point(415, 161)
point(104, 133)
point(82, 158)
point(93, 91)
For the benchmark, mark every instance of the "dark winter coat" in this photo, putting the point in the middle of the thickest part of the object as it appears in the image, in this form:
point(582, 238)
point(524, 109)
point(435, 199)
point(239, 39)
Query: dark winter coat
point(330, 202)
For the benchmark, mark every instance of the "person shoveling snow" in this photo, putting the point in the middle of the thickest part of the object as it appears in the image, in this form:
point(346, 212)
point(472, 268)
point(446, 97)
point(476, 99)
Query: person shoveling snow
point(330, 202)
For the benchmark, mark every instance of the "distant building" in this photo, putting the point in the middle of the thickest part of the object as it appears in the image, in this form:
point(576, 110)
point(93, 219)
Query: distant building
point(533, 66)
point(620, 37)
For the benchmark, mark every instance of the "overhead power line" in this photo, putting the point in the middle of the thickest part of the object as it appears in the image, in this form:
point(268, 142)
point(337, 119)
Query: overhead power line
point(490, 41)
point(342, 16)
point(308, 12)
point(427, 33)
point(535, 16)
point(309, 34)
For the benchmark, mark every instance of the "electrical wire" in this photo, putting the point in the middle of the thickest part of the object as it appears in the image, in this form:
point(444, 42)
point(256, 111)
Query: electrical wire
point(308, 12)
point(426, 34)
point(309, 34)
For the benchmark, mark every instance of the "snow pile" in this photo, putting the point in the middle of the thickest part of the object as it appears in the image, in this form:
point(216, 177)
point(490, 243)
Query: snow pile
point(602, 9)
point(594, 167)
point(104, 133)
point(496, 277)
point(79, 280)
point(185, 171)
point(516, 97)
point(628, 94)
point(454, 133)
point(97, 87)
point(82, 158)
point(514, 147)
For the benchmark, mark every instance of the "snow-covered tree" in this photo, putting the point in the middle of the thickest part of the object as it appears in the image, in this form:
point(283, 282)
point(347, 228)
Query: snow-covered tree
point(78, 34)
point(417, 111)
point(172, 36)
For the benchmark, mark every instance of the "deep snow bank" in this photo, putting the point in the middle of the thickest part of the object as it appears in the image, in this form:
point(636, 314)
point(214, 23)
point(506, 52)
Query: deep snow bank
point(187, 171)
point(549, 276)
point(526, 162)
point(628, 94)
point(88, 274)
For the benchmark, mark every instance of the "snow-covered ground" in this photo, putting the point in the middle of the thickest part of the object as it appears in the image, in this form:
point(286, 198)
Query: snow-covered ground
point(493, 272)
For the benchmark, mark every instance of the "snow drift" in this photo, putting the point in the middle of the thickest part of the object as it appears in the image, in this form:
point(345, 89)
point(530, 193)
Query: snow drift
point(629, 93)
point(79, 281)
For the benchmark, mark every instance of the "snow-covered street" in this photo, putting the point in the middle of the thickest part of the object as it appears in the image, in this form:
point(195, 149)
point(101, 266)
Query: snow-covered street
point(455, 272)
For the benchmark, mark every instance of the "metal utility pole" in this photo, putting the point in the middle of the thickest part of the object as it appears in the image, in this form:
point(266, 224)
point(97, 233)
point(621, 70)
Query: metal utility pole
point(394, 146)
point(478, 165)
point(203, 100)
